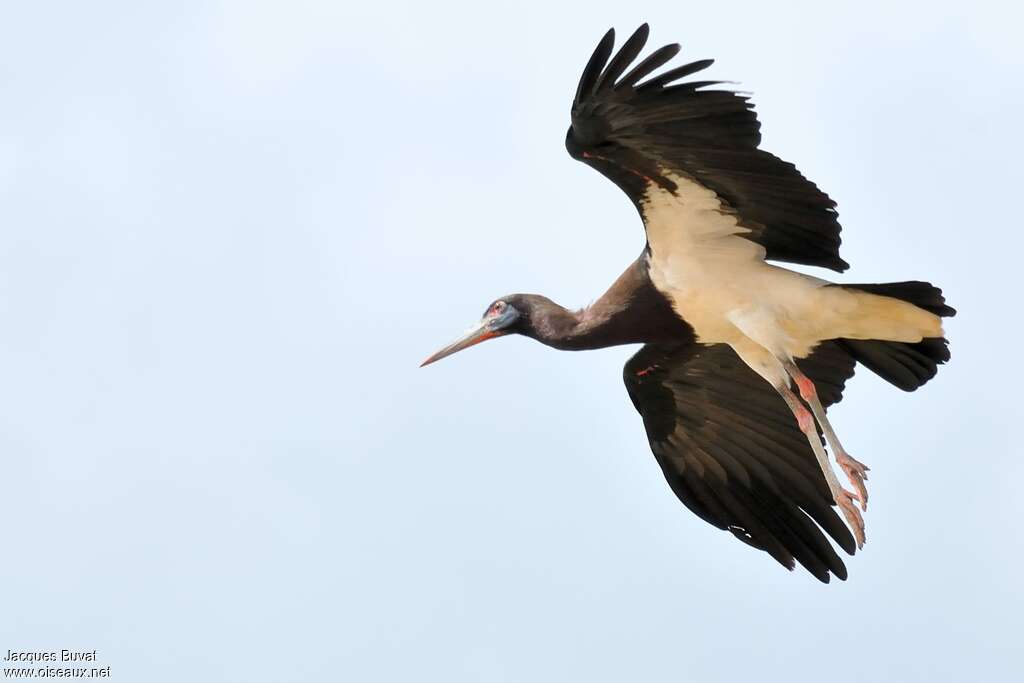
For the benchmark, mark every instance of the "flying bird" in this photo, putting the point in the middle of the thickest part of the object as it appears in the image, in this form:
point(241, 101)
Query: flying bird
point(741, 358)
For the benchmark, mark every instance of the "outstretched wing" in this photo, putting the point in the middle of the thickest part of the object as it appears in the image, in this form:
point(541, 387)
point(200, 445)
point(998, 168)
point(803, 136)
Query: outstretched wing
point(674, 145)
point(731, 450)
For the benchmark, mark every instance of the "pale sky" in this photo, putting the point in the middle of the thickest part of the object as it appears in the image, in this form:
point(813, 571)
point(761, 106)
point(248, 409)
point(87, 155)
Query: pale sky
point(229, 232)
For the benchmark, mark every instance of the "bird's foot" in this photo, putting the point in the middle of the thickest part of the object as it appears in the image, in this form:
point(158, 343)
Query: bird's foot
point(845, 501)
point(857, 473)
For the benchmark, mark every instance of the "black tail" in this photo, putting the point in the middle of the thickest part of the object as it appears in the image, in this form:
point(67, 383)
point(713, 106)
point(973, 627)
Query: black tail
point(907, 366)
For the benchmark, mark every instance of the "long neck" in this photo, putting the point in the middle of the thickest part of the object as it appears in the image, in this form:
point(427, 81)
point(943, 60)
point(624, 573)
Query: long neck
point(631, 311)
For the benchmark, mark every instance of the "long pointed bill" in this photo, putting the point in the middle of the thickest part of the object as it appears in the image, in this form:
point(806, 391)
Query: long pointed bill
point(479, 333)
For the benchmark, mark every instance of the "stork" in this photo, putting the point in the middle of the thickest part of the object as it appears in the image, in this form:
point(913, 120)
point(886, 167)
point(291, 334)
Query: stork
point(741, 357)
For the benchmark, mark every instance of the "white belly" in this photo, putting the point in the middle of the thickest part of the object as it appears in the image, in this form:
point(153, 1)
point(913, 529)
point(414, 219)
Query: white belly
point(719, 282)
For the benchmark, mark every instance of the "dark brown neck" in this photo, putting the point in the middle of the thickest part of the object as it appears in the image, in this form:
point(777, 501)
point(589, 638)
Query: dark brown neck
point(632, 311)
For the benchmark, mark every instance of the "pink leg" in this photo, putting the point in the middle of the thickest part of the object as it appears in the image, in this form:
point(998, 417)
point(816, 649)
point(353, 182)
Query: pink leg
point(804, 419)
point(843, 498)
point(856, 471)
point(806, 386)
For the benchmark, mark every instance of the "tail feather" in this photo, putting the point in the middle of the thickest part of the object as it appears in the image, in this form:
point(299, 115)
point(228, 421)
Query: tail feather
point(902, 364)
point(922, 294)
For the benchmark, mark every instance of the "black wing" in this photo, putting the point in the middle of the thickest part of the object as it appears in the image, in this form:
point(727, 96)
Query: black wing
point(731, 450)
point(637, 133)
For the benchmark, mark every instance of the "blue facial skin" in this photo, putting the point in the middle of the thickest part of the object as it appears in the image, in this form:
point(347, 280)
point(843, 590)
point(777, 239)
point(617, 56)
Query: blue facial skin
point(500, 320)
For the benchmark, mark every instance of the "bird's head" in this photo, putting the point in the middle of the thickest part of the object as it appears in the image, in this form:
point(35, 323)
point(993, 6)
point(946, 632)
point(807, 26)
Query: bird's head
point(530, 315)
point(507, 315)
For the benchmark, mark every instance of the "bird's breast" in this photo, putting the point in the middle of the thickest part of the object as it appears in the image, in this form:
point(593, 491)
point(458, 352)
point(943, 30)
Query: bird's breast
point(700, 301)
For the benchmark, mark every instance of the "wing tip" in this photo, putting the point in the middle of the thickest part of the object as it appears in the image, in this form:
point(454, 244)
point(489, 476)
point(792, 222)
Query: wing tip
point(598, 60)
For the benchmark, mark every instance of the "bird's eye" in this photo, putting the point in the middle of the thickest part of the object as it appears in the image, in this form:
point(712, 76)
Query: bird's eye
point(498, 307)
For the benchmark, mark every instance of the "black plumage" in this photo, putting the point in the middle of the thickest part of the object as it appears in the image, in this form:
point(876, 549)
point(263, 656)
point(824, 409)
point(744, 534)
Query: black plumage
point(731, 452)
point(631, 131)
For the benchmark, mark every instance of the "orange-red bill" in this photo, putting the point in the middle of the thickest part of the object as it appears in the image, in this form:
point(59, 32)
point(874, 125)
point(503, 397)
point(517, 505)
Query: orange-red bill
point(475, 336)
